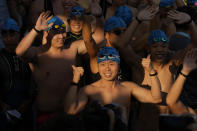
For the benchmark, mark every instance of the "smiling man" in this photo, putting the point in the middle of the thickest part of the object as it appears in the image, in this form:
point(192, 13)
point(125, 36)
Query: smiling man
point(50, 63)
point(108, 90)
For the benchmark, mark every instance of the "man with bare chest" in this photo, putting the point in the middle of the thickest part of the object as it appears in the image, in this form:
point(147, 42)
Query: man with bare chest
point(50, 63)
point(108, 89)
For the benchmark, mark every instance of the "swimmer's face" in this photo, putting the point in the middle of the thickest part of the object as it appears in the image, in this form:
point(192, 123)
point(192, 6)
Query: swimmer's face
point(108, 70)
point(76, 24)
point(10, 39)
point(114, 35)
point(58, 40)
point(159, 51)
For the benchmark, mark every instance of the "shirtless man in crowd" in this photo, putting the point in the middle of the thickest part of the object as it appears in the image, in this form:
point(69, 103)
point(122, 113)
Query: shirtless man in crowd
point(108, 89)
point(50, 63)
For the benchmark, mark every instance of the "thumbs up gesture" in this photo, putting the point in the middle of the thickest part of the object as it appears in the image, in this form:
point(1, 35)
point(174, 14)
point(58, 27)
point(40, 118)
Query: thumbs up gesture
point(146, 63)
point(77, 73)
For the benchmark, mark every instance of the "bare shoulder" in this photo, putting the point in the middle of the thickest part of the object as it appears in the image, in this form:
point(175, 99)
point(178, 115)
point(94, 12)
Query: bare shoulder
point(80, 46)
point(128, 83)
point(90, 89)
point(77, 43)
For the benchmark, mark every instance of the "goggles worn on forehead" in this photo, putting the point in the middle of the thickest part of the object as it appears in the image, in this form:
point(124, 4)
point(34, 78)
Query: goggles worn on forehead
point(155, 40)
point(59, 29)
point(105, 57)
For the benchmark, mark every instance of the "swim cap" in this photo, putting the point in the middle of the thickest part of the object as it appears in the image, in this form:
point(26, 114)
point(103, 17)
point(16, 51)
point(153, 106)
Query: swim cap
point(58, 23)
point(10, 24)
point(165, 3)
point(108, 53)
point(77, 10)
point(191, 2)
point(125, 13)
point(157, 36)
point(179, 41)
point(114, 22)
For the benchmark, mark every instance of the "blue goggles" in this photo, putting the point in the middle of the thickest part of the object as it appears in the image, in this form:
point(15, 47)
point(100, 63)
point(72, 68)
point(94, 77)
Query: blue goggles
point(101, 58)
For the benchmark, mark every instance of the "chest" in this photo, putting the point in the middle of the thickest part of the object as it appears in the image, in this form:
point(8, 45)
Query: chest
point(108, 96)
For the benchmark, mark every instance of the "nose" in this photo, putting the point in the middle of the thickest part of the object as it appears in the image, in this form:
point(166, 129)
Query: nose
point(107, 67)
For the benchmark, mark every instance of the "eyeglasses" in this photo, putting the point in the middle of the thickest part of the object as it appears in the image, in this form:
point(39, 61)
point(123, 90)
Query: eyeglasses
point(118, 32)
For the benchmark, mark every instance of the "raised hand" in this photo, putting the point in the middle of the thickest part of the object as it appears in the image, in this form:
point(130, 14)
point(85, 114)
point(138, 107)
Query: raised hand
point(41, 23)
point(147, 14)
point(77, 73)
point(179, 17)
point(146, 63)
point(190, 61)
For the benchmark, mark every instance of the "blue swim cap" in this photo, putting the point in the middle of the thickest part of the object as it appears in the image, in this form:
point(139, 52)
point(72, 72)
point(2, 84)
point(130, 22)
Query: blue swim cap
point(191, 2)
point(165, 3)
point(157, 36)
point(125, 13)
point(57, 23)
point(77, 10)
point(114, 22)
point(177, 43)
point(10, 24)
point(108, 53)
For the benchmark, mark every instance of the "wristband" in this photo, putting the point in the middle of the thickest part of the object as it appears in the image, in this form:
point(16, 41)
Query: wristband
point(183, 74)
point(36, 30)
point(153, 74)
point(138, 20)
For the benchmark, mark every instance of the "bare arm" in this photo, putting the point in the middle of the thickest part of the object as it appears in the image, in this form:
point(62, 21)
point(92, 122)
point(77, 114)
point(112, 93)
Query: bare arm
point(75, 102)
point(24, 48)
point(173, 96)
point(90, 44)
point(145, 95)
point(144, 15)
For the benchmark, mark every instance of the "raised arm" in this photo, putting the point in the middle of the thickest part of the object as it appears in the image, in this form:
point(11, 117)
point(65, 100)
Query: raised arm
point(90, 44)
point(24, 48)
point(145, 95)
point(74, 101)
point(144, 15)
point(190, 63)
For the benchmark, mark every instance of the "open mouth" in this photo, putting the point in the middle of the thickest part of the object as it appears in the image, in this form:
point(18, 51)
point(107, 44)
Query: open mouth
point(160, 55)
point(108, 75)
